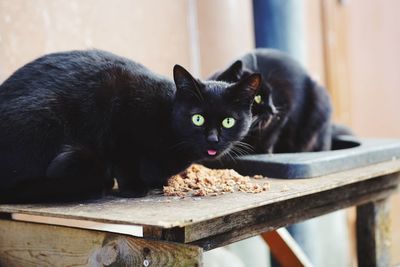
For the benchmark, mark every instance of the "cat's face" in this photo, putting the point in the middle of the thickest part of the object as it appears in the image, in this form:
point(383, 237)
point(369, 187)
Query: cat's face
point(210, 116)
point(263, 108)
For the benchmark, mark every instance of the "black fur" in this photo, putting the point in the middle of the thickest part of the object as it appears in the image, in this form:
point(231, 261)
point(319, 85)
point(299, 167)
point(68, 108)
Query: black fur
point(71, 122)
point(294, 115)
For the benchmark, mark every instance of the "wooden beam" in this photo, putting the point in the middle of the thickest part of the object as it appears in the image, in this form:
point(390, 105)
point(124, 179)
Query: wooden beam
point(373, 234)
point(153, 212)
point(234, 227)
point(30, 244)
point(285, 249)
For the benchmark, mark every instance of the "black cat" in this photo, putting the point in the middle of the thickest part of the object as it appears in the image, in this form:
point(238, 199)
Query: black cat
point(71, 122)
point(291, 112)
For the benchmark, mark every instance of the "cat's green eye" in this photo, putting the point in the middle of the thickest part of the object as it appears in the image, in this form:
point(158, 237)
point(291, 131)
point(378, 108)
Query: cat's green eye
point(228, 122)
point(258, 99)
point(198, 120)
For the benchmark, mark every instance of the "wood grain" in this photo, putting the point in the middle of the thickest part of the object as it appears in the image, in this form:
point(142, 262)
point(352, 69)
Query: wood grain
point(200, 223)
point(373, 234)
point(29, 244)
point(157, 212)
point(228, 229)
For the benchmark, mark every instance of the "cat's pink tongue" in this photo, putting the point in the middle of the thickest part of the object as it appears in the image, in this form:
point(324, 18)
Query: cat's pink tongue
point(212, 152)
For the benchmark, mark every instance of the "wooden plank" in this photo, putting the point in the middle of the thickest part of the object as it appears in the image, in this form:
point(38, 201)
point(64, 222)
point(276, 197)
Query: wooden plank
point(30, 244)
point(131, 230)
point(285, 249)
point(228, 229)
point(157, 212)
point(373, 234)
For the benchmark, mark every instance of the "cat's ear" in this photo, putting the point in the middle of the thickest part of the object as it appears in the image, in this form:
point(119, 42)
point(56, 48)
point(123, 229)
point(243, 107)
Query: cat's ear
point(233, 73)
point(246, 88)
point(185, 83)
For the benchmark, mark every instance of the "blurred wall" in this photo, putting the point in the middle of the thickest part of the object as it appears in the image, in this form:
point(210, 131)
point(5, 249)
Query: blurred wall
point(353, 48)
point(374, 62)
point(373, 35)
point(157, 33)
point(225, 32)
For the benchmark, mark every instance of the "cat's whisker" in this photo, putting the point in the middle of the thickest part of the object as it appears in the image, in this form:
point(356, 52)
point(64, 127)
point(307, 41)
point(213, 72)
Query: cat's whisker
point(239, 151)
point(248, 149)
point(245, 145)
point(233, 157)
point(227, 153)
point(244, 148)
point(242, 151)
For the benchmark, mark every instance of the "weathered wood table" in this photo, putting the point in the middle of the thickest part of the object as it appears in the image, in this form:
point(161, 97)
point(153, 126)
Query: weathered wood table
point(167, 231)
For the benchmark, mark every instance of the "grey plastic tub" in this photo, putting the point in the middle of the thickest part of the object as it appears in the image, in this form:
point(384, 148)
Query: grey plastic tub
point(348, 153)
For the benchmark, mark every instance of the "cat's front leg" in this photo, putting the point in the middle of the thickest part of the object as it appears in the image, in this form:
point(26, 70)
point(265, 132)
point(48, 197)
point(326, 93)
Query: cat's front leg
point(153, 172)
point(140, 176)
point(129, 180)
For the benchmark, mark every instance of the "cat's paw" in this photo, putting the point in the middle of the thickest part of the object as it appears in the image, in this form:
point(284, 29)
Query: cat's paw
point(131, 193)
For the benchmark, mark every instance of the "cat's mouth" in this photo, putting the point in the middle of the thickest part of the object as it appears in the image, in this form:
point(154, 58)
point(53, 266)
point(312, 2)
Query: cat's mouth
point(212, 152)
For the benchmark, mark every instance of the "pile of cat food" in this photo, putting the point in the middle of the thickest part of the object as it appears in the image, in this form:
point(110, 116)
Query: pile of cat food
point(198, 180)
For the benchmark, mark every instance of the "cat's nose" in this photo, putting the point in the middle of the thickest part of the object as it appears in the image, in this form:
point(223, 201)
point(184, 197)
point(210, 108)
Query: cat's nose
point(213, 136)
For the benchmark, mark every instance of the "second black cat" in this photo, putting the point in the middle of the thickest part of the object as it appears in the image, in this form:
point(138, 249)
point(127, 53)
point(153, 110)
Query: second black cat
point(291, 112)
point(72, 122)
